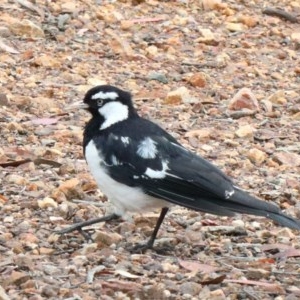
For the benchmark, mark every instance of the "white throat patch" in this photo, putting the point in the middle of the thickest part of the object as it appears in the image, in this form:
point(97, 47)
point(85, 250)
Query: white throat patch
point(113, 112)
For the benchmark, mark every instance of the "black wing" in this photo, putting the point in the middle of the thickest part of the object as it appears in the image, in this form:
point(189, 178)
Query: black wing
point(183, 178)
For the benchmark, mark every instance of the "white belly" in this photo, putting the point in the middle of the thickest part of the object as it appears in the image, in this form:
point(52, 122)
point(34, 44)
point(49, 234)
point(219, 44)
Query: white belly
point(123, 197)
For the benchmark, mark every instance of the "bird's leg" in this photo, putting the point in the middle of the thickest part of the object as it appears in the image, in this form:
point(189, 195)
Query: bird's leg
point(78, 226)
point(149, 244)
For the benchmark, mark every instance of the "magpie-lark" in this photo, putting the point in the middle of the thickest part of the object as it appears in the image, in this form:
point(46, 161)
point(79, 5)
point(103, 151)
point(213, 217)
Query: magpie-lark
point(139, 166)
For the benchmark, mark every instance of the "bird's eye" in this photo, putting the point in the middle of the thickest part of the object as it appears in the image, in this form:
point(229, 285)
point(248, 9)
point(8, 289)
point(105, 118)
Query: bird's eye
point(99, 102)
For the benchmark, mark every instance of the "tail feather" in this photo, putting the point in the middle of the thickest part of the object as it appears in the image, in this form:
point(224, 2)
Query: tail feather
point(242, 202)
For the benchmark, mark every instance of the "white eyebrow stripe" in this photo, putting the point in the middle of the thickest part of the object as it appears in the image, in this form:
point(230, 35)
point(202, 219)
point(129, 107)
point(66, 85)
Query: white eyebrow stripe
point(108, 95)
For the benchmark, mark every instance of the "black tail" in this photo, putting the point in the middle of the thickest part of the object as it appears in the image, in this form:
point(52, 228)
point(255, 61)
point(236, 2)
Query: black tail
point(242, 202)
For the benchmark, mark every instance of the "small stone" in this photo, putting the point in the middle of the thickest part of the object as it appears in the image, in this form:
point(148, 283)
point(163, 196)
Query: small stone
point(47, 61)
point(158, 76)
point(278, 98)
point(16, 179)
point(198, 79)
point(4, 101)
point(27, 28)
point(285, 232)
point(8, 219)
point(89, 248)
point(245, 131)
point(223, 229)
point(203, 133)
point(249, 21)
point(107, 239)
point(234, 27)
point(256, 225)
point(217, 295)
point(212, 4)
point(126, 24)
point(48, 142)
point(244, 98)
point(287, 158)
point(45, 251)
point(190, 288)
point(16, 278)
point(178, 96)
point(295, 36)
point(50, 291)
point(296, 116)
point(4, 31)
point(238, 223)
point(46, 203)
point(169, 268)
point(257, 274)
point(256, 156)
point(152, 50)
point(71, 188)
point(208, 37)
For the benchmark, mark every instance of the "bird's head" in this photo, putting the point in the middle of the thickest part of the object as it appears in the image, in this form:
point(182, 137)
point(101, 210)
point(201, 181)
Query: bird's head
point(109, 103)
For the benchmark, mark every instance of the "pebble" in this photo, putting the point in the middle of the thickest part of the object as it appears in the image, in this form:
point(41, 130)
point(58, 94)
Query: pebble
point(190, 288)
point(177, 96)
point(238, 223)
point(234, 27)
point(46, 203)
point(244, 98)
point(198, 79)
point(256, 156)
point(278, 98)
point(27, 28)
point(157, 76)
point(217, 295)
point(245, 131)
point(257, 274)
point(107, 238)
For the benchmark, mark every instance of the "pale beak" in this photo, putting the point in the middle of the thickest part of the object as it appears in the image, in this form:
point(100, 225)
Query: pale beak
point(77, 105)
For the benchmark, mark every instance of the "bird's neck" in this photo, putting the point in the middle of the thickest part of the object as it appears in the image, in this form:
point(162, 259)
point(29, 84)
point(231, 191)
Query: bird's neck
point(92, 129)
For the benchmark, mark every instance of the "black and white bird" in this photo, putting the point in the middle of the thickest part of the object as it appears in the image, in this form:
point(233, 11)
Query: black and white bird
point(139, 167)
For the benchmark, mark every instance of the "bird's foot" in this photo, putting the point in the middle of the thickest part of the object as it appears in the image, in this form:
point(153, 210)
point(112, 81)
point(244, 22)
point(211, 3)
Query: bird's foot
point(161, 249)
point(138, 248)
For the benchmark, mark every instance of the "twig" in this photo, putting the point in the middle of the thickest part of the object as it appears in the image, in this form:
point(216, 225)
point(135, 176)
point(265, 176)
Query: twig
point(91, 273)
point(280, 13)
point(208, 64)
point(37, 161)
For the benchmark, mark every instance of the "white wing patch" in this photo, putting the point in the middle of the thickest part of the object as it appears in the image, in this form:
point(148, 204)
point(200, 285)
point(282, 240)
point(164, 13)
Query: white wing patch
point(228, 194)
point(158, 174)
point(125, 140)
point(113, 112)
point(108, 95)
point(114, 160)
point(147, 148)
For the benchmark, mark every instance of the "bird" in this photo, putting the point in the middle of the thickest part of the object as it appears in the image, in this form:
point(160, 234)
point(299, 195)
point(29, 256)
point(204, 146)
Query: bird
point(139, 167)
